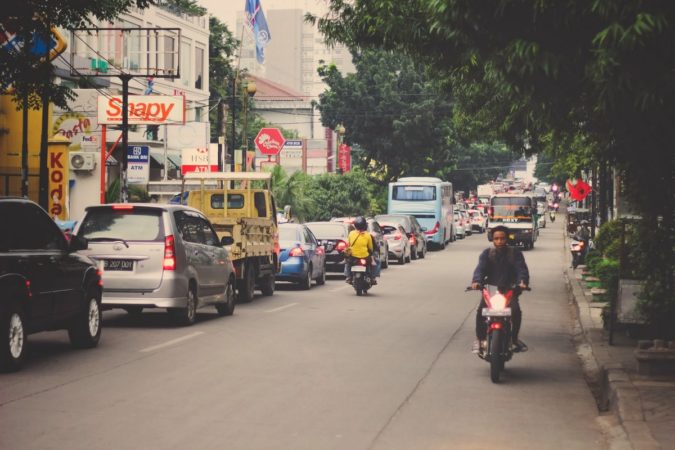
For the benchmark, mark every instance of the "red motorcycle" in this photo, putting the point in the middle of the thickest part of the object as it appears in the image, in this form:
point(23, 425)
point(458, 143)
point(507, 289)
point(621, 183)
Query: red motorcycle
point(497, 314)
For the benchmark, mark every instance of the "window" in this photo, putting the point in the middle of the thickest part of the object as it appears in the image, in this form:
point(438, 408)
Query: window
point(185, 63)
point(169, 55)
point(414, 193)
point(288, 234)
point(188, 226)
point(137, 224)
point(259, 203)
point(309, 237)
point(199, 68)
point(234, 201)
point(209, 236)
point(28, 228)
point(199, 113)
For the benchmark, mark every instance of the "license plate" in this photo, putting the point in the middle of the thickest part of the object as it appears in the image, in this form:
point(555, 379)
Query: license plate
point(358, 269)
point(506, 312)
point(118, 264)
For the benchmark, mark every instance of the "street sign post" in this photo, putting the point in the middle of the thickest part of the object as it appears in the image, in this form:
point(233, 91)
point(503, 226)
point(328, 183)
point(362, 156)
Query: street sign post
point(269, 141)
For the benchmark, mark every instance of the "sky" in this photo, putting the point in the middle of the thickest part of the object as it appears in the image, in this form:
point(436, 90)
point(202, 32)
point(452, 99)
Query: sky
point(226, 10)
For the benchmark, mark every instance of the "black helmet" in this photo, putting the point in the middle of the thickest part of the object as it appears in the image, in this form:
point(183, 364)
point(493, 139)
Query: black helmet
point(360, 223)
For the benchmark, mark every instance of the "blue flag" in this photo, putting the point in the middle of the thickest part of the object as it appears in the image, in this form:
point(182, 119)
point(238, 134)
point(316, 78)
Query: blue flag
point(255, 19)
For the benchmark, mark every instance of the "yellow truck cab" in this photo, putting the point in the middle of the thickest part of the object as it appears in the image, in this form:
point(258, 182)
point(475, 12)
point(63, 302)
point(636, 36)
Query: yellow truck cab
point(247, 221)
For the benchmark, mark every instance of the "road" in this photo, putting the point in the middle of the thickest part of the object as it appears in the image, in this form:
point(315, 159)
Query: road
point(318, 369)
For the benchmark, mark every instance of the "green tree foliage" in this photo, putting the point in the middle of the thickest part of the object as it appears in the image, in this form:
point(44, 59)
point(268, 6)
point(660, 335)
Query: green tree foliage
point(222, 47)
point(591, 79)
point(340, 195)
point(27, 73)
point(293, 190)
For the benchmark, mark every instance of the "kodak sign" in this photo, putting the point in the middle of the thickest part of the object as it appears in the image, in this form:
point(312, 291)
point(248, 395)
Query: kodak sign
point(143, 109)
point(58, 182)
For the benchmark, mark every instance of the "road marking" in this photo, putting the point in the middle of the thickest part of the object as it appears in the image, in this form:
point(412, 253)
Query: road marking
point(281, 308)
point(171, 342)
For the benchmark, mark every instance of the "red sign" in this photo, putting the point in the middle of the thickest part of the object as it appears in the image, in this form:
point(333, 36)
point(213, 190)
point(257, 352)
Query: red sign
point(196, 160)
point(345, 158)
point(269, 141)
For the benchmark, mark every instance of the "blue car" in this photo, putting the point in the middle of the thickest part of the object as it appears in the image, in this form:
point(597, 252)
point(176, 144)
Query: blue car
point(302, 258)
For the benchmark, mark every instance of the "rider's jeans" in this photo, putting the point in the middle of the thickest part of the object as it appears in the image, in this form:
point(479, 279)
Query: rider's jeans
point(516, 318)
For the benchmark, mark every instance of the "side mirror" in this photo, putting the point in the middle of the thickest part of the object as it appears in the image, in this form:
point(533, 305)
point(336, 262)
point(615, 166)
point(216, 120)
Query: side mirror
point(226, 240)
point(77, 243)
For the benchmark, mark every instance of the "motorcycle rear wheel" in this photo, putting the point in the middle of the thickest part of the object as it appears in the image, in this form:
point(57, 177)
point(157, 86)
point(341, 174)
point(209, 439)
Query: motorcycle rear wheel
point(496, 361)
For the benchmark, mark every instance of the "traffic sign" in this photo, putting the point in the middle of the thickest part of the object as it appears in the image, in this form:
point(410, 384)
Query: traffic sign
point(138, 164)
point(269, 141)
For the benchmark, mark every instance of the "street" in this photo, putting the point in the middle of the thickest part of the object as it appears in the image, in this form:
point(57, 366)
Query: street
point(317, 369)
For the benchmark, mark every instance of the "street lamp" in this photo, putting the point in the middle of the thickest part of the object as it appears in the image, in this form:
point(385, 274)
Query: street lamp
point(249, 88)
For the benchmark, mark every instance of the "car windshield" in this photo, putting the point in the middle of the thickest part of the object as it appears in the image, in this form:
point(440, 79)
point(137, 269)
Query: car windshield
point(327, 230)
point(288, 233)
point(414, 193)
point(400, 220)
point(519, 207)
point(134, 224)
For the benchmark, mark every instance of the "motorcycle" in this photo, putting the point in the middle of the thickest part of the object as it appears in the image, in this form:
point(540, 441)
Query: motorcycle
point(497, 314)
point(577, 249)
point(551, 216)
point(362, 275)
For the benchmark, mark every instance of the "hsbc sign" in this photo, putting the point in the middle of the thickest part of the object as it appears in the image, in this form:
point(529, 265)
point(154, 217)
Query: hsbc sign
point(142, 109)
point(269, 141)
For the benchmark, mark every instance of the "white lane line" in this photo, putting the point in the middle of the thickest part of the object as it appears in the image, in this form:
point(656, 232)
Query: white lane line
point(281, 308)
point(172, 342)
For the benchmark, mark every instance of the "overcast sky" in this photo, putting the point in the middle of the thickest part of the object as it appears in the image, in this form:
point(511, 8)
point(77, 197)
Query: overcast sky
point(226, 10)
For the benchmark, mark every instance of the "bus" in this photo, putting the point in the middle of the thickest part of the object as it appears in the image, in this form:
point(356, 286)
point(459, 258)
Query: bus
point(518, 213)
point(430, 200)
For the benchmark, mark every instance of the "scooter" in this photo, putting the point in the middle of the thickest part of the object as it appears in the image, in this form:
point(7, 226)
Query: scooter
point(577, 249)
point(362, 275)
point(497, 314)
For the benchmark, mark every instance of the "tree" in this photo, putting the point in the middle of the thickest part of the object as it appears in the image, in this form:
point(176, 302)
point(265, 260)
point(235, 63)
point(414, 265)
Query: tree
point(30, 77)
point(293, 190)
point(340, 195)
point(222, 47)
point(593, 79)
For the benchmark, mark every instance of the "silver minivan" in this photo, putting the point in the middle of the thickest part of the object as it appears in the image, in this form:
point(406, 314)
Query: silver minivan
point(158, 256)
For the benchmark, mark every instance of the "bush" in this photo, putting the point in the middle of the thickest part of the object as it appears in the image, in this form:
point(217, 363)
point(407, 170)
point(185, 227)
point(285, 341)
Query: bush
point(607, 270)
point(608, 239)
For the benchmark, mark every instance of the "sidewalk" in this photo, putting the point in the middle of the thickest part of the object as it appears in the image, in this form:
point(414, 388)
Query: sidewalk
point(643, 405)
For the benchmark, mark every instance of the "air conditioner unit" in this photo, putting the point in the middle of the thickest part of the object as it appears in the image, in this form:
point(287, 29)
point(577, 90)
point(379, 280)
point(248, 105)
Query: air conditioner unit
point(82, 161)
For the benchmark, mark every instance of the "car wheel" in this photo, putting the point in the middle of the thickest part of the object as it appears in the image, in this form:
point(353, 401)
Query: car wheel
point(413, 254)
point(227, 308)
point(385, 260)
point(246, 286)
point(267, 285)
point(85, 332)
point(401, 260)
point(12, 339)
point(186, 316)
point(306, 283)
point(322, 278)
point(424, 252)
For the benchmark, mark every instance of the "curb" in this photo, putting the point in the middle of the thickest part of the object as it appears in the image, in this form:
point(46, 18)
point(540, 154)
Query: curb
point(617, 393)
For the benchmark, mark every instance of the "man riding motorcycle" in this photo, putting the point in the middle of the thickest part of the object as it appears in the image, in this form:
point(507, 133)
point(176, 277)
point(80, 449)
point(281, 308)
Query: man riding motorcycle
point(361, 246)
point(504, 267)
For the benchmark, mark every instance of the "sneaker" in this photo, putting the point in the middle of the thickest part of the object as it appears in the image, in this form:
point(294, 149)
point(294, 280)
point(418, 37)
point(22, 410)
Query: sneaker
point(519, 346)
point(374, 282)
point(348, 280)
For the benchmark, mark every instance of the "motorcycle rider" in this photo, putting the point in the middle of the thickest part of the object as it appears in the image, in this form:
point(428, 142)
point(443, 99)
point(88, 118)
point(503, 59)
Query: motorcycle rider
point(504, 267)
point(361, 244)
point(583, 234)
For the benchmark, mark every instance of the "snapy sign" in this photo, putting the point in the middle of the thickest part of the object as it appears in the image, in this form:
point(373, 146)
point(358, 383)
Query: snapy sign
point(269, 141)
point(143, 109)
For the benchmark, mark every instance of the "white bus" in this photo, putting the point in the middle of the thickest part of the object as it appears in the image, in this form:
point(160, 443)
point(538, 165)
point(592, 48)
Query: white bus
point(430, 200)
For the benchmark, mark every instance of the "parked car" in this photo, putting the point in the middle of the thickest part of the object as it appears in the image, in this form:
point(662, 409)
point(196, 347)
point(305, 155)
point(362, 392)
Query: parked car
point(333, 237)
point(159, 256)
point(415, 232)
point(379, 242)
point(397, 240)
point(44, 283)
point(478, 220)
point(302, 258)
point(460, 230)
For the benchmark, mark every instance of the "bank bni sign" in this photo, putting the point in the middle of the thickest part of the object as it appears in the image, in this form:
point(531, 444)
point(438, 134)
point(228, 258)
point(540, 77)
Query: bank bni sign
point(142, 109)
point(138, 169)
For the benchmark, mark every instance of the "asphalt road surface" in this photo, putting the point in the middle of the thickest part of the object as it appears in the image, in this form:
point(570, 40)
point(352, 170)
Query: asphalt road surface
point(318, 369)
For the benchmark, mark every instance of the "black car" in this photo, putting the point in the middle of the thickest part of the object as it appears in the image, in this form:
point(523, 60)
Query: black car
point(414, 231)
point(333, 236)
point(44, 284)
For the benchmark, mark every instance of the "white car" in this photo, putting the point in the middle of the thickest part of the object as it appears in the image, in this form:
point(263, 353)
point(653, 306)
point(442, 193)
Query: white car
point(459, 225)
point(478, 220)
point(466, 221)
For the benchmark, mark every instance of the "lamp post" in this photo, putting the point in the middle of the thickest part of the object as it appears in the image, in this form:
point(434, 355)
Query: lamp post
point(249, 89)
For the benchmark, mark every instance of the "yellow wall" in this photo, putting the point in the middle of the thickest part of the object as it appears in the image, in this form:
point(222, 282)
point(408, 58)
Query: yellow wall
point(11, 129)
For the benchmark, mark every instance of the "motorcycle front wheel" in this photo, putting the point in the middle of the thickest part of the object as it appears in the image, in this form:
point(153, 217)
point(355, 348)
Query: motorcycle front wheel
point(496, 361)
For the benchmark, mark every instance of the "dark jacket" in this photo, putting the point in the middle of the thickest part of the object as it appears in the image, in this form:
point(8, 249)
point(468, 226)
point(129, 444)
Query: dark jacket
point(503, 268)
